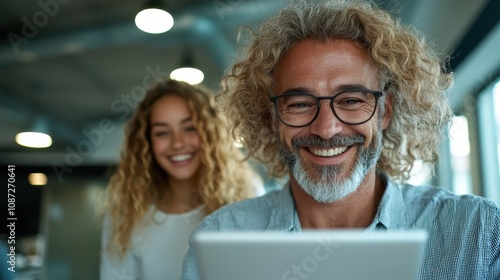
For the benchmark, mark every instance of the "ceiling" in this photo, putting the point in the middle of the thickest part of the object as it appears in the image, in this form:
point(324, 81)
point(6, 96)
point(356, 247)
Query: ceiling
point(81, 65)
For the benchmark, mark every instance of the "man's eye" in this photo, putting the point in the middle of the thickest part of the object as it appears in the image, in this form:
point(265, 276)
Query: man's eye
point(351, 101)
point(299, 105)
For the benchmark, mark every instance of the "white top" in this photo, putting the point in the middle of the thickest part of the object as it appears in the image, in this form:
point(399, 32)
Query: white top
point(157, 249)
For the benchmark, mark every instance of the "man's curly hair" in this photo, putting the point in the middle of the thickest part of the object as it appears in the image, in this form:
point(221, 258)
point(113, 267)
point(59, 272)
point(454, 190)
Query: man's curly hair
point(412, 71)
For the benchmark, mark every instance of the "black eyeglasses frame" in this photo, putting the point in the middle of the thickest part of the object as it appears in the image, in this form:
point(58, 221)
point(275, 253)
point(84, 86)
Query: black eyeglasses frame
point(376, 93)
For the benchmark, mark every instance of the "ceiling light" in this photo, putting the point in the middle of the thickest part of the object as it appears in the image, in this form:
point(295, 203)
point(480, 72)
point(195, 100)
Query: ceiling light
point(37, 137)
point(153, 19)
point(187, 73)
point(34, 139)
point(37, 179)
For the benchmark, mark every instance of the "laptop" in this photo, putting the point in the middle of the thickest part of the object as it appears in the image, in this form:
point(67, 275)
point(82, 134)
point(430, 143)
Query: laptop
point(311, 255)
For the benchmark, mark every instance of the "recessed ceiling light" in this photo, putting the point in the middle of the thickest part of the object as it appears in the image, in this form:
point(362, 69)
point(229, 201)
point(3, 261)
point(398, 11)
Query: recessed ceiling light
point(34, 139)
point(154, 21)
point(189, 75)
point(37, 179)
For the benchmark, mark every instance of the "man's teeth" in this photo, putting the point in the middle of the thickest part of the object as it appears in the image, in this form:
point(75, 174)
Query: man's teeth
point(181, 157)
point(328, 152)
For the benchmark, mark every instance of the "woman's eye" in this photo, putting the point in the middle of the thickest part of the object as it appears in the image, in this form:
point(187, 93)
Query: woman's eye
point(160, 133)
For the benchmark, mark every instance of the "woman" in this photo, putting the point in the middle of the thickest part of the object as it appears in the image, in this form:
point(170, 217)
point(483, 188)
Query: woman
point(178, 165)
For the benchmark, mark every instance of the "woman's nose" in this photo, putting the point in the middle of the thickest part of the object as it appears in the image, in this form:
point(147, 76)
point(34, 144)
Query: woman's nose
point(178, 139)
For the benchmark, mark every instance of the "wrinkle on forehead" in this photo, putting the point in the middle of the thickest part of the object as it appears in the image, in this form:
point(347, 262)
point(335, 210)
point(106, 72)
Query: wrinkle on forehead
point(326, 65)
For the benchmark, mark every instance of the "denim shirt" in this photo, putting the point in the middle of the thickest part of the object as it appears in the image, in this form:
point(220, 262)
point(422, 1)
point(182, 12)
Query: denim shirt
point(464, 231)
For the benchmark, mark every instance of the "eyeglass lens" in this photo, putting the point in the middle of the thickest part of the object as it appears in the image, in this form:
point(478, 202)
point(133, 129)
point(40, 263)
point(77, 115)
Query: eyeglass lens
point(349, 107)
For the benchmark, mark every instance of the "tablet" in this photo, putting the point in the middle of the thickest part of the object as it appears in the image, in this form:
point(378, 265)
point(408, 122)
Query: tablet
point(318, 254)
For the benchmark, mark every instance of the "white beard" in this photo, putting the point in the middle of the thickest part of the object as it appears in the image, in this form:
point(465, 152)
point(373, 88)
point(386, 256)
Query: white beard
point(323, 183)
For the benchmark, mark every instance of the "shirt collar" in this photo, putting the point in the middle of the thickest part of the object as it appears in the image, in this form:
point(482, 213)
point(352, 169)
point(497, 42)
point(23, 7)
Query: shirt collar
point(284, 215)
point(391, 213)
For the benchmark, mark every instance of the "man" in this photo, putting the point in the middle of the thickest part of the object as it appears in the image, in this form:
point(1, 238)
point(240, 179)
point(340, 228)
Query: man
point(343, 99)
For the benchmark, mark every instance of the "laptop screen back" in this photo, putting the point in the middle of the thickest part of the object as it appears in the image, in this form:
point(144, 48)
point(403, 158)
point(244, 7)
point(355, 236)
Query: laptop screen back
point(323, 254)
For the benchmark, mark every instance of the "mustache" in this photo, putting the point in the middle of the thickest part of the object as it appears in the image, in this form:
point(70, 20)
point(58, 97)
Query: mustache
point(337, 140)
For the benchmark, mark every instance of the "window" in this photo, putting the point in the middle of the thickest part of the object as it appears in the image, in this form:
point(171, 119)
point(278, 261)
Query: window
point(489, 141)
point(459, 146)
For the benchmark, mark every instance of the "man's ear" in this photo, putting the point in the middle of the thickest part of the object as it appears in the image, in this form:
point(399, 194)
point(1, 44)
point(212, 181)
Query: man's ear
point(386, 119)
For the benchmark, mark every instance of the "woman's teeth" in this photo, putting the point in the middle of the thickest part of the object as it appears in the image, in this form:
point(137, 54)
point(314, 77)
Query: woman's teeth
point(177, 158)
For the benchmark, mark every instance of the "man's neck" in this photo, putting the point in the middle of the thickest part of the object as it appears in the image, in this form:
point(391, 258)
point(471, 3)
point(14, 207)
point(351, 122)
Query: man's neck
point(355, 211)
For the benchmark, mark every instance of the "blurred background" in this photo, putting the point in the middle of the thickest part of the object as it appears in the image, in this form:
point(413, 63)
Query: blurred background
point(75, 70)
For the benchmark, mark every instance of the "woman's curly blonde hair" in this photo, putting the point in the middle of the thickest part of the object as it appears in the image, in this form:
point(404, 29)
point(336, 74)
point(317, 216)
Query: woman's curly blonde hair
point(138, 181)
point(410, 69)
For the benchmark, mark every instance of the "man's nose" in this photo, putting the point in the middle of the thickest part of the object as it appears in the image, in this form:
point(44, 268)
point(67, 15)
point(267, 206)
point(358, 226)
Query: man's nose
point(326, 124)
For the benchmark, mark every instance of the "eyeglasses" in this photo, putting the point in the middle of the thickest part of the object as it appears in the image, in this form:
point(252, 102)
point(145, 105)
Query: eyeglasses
point(299, 109)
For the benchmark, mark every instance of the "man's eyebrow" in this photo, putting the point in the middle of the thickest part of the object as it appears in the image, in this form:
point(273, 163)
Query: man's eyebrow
point(341, 88)
point(351, 87)
point(297, 89)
